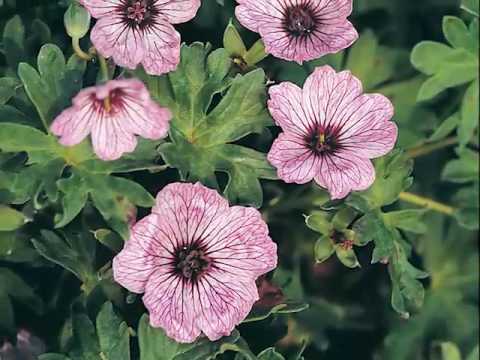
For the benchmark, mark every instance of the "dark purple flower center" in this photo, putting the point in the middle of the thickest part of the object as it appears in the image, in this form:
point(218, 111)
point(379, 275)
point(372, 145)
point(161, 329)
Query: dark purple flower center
point(191, 262)
point(300, 20)
point(323, 142)
point(110, 104)
point(137, 13)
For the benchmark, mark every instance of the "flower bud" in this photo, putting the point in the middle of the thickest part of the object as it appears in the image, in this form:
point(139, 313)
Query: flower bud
point(77, 21)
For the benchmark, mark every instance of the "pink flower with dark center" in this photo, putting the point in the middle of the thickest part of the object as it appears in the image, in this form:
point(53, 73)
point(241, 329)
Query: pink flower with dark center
point(113, 113)
point(140, 31)
point(196, 259)
point(299, 30)
point(331, 130)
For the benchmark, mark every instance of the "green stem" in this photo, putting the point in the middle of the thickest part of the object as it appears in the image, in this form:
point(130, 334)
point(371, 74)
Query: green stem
point(426, 149)
point(103, 68)
point(427, 203)
point(78, 50)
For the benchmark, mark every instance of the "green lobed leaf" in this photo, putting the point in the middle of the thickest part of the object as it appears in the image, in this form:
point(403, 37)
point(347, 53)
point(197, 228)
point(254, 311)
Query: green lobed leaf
point(407, 291)
point(457, 33)
point(408, 220)
point(470, 113)
point(14, 41)
point(467, 201)
point(392, 177)
point(85, 344)
point(54, 84)
point(446, 127)
point(448, 67)
point(464, 169)
point(10, 219)
point(8, 88)
point(270, 354)
point(113, 334)
point(155, 345)
point(73, 253)
point(202, 131)
point(74, 198)
point(16, 137)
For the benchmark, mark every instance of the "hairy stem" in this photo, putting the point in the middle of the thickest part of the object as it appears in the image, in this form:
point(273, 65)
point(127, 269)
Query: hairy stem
point(429, 148)
point(78, 50)
point(427, 203)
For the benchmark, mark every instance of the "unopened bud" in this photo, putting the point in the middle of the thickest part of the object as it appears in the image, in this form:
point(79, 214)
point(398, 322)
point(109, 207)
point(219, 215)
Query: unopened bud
point(77, 21)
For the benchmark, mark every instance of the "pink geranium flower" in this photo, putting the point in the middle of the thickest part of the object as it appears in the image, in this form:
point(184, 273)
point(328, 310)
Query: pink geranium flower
point(140, 31)
point(196, 259)
point(113, 113)
point(331, 130)
point(299, 30)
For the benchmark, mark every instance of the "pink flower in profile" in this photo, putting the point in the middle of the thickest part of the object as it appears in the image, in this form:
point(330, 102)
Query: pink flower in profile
point(140, 31)
point(196, 259)
point(113, 113)
point(299, 30)
point(331, 130)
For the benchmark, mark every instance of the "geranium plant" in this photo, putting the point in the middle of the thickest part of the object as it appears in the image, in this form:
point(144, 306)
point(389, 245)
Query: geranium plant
point(176, 177)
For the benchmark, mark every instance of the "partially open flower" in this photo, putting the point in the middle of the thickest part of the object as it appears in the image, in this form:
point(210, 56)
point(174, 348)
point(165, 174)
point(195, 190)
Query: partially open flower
point(299, 30)
point(140, 31)
point(113, 113)
point(331, 130)
point(196, 259)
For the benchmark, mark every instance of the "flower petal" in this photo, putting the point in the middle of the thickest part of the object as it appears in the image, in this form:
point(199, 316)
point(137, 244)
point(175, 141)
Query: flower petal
point(343, 172)
point(74, 124)
point(112, 38)
point(98, 8)
point(239, 245)
point(252, 14)
point(170, 302)
point(224, 304)
point(178, 11)
point(162, 48)
point(145, 117)
point(366, 129)
point(109, 137)
point(326, 94)
point(189, 209)
point(145, 251)
point(285, 106)
point(294, 161)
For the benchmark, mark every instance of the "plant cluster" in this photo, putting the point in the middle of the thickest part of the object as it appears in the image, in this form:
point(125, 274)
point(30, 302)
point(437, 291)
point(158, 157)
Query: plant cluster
point(168, 192)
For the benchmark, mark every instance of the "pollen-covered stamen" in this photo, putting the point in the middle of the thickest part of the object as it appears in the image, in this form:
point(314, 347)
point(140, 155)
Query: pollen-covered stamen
point(300, 20)
point(191, 262)
point(137, 11)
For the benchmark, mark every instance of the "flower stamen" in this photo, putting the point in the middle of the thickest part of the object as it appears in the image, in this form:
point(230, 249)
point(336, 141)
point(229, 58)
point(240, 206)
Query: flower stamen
point(107, 104)
point(191, 262)
point(137, 11)
point(300, 20)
